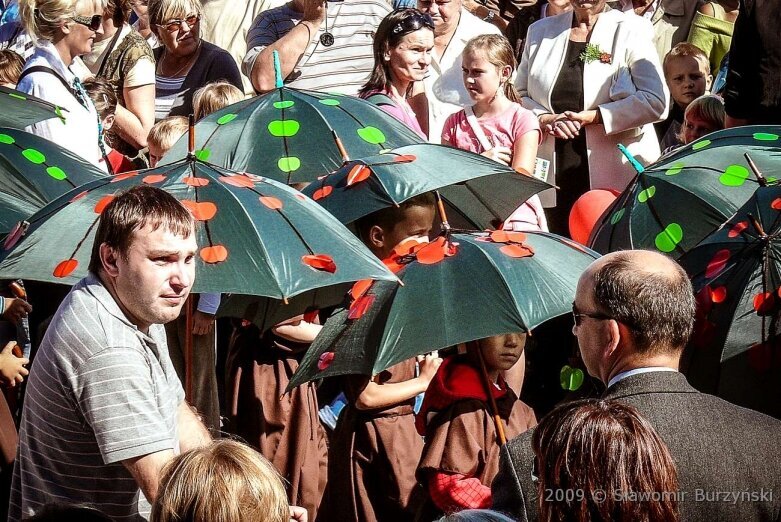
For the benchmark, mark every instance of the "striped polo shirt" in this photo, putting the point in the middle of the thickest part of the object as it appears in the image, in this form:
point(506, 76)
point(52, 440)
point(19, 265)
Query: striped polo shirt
point(341, 68)
point(100, 391)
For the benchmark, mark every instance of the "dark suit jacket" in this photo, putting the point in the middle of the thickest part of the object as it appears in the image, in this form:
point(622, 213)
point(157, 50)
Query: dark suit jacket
point(717, 447)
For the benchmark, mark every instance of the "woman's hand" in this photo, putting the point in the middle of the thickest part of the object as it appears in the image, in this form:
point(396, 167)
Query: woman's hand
point(560, 126)
point(12, 368)
point(500, 154)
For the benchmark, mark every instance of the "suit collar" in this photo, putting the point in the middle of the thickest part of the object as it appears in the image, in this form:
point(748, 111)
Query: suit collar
point(652, 382)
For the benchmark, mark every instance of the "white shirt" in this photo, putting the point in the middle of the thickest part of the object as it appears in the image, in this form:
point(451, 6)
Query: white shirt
point(444, 84)
point(79, 132)
point(623, 375)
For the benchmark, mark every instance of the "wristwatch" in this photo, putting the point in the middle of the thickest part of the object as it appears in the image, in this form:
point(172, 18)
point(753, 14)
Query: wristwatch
point(489, 17)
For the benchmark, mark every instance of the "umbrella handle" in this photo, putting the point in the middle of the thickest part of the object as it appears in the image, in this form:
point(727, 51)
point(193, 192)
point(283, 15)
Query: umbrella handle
point(635, 164)
point(277, 70)
point(491, 400)
point(442, 213)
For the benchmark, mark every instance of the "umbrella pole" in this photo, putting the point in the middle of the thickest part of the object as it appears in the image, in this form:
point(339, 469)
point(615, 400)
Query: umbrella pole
point(188, 349)
point(491, 401)
point(760, 178)
point(442, 214)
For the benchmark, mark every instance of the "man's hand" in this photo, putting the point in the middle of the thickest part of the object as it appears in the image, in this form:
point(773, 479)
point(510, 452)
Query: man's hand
point(16, 309)
point(314, 11)
point(12, 368)
point(203, 323)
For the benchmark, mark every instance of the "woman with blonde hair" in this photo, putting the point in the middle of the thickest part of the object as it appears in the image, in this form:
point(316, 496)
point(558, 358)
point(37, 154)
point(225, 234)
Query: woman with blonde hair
point(223, 482)
point(185, 61)
point(61, 31)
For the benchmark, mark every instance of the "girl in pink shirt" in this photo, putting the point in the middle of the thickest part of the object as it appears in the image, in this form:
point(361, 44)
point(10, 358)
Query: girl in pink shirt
point(497, 126)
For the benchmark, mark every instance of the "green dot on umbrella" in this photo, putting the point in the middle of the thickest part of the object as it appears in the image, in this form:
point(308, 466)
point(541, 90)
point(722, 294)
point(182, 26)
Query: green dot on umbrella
point(646, 194)
point(674, 169)
point(669, 238)
point(734, 176)
point(284, 129)
point(765, 136)
point(289, 163)
point(330, 102)
point(284, 104)
point(57, 173)
point(371, 135)
point(6, 139)
point(701, 144)
point(617, 215)
point(227, 118)
point(34, 156)
point(203, 154)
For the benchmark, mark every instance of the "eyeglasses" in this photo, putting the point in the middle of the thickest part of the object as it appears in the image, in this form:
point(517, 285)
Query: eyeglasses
point(93, 22)
point(577, 315)
point(413, 23)
point(175, 23)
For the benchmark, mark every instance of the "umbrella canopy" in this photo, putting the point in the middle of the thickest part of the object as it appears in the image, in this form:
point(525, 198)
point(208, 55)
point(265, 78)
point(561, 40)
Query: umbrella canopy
point(468, 287)
point(34, 171)
point(256, 236)
point(683, 197)
point(484, 191)
point(736, 348)
point(294, 136)
point(20, 110)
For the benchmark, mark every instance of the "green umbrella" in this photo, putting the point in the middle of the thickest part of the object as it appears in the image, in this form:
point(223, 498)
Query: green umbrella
point(34, 171)
point(469, 287)
point(256, 237)
point(294, 136)
point(683, 197)
point(20, 110)
point(482, 190)
point(735, 352)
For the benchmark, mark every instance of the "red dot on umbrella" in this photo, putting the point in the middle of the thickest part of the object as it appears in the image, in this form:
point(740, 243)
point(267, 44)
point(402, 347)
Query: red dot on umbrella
point(322, 262)
point(103, 203)
point(238, 181)
point(737, 229)
point(325, 360)
point(516, 251)
point(433, 252)
point(195, 182)
point(301, 197)
point(405, 158)
point(65, 268)
point(322, 192)
point(360, 307)
point(764, 303)
point(124, 175)
point(153, 178)
point(271, 202)
point(357, 174)
point(201, 210)
point(79, 196)
point(214, 254)
point(719, 295)
point(503, 236)
point(776, 204)
point(360, 288)
point(717, 264)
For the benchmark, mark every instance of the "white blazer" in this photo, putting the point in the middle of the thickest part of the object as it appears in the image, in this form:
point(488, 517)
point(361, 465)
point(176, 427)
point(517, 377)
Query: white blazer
point(630, 92)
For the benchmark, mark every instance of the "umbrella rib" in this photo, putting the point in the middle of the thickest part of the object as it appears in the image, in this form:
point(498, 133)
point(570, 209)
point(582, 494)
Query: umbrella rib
point(287, 220)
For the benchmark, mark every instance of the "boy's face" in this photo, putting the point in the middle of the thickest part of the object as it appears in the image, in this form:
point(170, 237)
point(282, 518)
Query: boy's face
point(417, 223)
point(501, 352)
point(156, 154)
point(687, 79)
point(695, 128)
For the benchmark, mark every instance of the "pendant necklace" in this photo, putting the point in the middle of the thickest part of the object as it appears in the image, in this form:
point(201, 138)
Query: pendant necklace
point(327, 38)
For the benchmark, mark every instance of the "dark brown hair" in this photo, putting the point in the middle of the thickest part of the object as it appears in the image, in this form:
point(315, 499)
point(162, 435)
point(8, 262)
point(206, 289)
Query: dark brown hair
point(119, 11)
point(388, 217)
point(600, 460)
point(133, 210)
point(11, 65)
point(385, 39)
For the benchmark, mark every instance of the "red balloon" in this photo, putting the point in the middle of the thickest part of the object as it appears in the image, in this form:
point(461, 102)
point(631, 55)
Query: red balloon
point(586, 212)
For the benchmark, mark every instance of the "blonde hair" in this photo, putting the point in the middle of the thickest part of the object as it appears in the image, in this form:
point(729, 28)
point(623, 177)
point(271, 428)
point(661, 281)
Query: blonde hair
point(499, 53)
point(223, 482)
point(11, 65)
point(707, 108)
point(683, 50)
point(161, 10)
point(213, 97)
point(41, 19)
point(166, 132)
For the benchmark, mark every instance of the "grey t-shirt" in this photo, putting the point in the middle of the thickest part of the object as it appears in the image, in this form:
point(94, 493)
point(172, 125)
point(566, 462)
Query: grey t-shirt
point(100, 391)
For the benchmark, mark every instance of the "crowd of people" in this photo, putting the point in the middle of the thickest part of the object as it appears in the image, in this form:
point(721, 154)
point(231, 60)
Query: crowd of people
point(549, 88)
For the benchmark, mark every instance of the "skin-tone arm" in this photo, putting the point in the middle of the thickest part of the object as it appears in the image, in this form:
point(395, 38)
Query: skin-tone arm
point(377, 395)
point(146, 471)
point(134, 120)
point(290, 47)
point(192, 432)
point(481, 11)
point(525, 152)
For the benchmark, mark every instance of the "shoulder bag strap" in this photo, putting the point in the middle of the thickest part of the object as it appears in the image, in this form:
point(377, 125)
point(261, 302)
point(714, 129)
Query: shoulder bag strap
point(471, 119)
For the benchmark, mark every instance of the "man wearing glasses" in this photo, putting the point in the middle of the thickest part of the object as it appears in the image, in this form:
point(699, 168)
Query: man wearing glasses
point(634, 313)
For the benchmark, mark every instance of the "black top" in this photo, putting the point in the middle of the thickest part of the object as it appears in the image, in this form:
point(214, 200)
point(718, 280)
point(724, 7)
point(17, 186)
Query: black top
point(213, 65)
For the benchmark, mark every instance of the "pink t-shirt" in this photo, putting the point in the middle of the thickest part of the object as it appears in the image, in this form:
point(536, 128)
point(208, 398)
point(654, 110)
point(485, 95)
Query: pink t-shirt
point(502, 131)
point(400, 110)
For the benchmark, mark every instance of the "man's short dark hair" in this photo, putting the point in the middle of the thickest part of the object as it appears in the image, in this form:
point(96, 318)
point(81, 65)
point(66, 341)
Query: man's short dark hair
point(388, 217)
point(133, 210)
point(658, 307)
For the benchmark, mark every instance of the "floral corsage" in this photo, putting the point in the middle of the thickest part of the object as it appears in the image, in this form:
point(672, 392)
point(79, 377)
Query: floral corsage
point(593, 52)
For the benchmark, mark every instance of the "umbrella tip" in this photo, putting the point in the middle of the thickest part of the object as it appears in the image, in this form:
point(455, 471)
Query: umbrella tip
point(635, 164)
point(277, 70)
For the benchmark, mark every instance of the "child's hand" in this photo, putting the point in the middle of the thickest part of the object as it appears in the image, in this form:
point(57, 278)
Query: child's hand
point(428, 366)
point(298, 514)
point(12, 368)
point(500, 154)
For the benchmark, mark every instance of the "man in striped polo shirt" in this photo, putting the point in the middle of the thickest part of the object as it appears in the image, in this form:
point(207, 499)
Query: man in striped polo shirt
point(323, 46)
point(105, 410)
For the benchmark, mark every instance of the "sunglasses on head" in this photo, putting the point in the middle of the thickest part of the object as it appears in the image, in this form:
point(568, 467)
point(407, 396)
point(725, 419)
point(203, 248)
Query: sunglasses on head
point(175, 23)
point(413, 23)
point(93, 22)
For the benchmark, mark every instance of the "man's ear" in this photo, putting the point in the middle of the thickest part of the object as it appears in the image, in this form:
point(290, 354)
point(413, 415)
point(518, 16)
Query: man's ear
point(108, 259)
point(617, 334)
